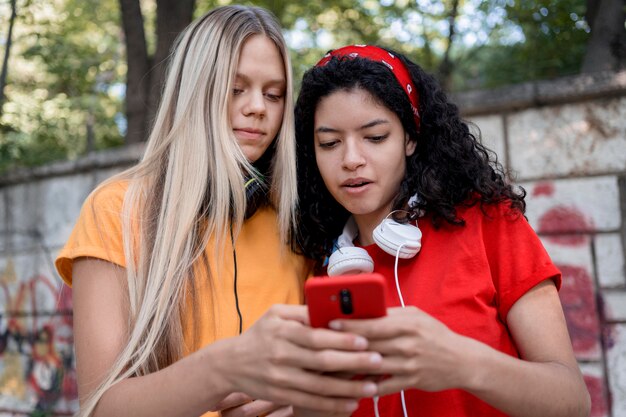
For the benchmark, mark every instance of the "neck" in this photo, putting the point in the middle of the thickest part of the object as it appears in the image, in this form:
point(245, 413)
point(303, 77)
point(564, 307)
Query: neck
point(366, 225)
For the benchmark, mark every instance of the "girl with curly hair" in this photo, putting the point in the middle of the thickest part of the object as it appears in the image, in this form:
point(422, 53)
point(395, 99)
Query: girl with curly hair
point(391, 180)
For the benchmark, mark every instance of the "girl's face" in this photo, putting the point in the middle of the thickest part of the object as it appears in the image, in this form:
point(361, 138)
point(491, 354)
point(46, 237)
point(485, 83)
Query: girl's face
point(361, 150)
point(256, 108)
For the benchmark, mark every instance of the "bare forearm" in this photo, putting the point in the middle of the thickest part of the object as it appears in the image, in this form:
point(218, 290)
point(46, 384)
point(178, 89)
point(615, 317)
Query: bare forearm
point(189, 387)
point(527, 389)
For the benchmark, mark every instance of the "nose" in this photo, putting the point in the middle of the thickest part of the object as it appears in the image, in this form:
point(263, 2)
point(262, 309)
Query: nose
point(353, 158)
point(255, 104)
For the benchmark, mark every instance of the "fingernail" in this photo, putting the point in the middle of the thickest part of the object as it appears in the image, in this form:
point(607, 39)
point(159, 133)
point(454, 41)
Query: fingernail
point(351, 406)
point(376, 358)
point(335, 325)
point(360, 342)
point(370, 389)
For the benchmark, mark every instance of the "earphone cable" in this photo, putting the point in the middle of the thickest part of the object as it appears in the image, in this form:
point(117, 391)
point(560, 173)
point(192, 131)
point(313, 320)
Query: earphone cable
point(404, 410)
point(395, 270)
point(376, 412)
point(232, 239)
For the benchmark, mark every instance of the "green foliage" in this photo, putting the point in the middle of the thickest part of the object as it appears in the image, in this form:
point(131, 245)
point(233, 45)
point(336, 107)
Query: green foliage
point(65, 68)
point(550, 41)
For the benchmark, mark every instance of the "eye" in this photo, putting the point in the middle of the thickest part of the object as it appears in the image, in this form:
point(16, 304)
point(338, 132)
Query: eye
point(237, 91)
point(329, 144)
point(274, 97)
point(377, 138)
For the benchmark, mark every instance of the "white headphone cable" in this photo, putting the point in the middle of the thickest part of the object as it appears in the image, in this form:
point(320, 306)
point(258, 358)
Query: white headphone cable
point(404, 410)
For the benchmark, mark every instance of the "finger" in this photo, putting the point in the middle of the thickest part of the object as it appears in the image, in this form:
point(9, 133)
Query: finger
point(251, 409)
point(320, 385)
point(297, 313)
point(314, 402)
point(394, 384)
point(399, 346)
point(399, 321)
point(319, 339)
point(397, 365)
point(330, 360)
point(371, 329)
point(232, 400)
point(285, 411)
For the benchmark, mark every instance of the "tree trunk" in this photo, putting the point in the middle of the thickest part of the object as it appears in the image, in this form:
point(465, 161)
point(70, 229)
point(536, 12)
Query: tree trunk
point(445, 68)
point(606, 49)
point(172, 17)
point(137, 76)
point(7, 51)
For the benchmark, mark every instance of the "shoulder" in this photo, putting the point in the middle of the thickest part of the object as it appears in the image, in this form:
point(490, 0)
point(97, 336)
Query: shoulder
point(109, 195)
point(489, 213)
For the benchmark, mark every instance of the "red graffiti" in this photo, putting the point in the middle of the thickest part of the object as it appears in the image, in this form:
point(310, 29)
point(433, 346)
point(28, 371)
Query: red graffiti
point(597, 392)
point(562, 219)
point(543, 188)
point(578, 299)
point(43, 336)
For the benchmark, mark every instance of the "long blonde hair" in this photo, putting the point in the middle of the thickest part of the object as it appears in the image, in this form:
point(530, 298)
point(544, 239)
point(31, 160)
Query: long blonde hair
point(188, 187)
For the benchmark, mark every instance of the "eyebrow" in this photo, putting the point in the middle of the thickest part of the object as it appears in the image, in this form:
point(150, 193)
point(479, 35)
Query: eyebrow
point(276, 81)
point(375, 122)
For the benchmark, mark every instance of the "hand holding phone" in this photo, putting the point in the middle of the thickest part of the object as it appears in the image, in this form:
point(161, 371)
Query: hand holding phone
point(360, 296)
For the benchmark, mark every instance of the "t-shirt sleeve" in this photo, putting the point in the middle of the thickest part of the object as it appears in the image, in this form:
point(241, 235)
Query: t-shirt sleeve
point(517, 258)
point(98, 231)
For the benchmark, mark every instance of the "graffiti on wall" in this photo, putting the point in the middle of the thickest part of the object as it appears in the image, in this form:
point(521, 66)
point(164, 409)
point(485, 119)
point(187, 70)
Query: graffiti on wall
point(568, 227)
point(37, 373)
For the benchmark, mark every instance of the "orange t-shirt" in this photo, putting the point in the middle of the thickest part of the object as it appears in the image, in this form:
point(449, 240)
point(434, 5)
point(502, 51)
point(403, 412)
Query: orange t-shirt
point(267, 272)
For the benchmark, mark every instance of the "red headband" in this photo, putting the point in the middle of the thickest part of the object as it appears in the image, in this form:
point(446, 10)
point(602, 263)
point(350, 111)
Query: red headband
point(396, 66)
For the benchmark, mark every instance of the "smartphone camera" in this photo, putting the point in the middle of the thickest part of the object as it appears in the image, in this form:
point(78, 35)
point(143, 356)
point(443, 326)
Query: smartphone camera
point(345, 301)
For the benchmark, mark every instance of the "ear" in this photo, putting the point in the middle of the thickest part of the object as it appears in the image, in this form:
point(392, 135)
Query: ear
point(409, 147)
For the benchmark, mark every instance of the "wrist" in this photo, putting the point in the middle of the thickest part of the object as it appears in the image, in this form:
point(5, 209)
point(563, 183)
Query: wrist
point(474, 371)
point(218, 377)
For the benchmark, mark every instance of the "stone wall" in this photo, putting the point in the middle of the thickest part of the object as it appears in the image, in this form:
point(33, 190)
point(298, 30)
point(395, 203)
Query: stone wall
point(565, 141)
point(38, 209)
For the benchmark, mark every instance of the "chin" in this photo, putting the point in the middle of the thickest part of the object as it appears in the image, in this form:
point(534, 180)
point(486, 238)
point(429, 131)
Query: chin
point(358, 210)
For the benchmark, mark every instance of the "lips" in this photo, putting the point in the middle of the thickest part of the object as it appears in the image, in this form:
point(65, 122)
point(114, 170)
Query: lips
point(356, 183)
point(248, 133)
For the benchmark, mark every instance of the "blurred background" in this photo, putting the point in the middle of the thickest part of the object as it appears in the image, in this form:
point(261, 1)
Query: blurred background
point(543, 80)
point(68, 64)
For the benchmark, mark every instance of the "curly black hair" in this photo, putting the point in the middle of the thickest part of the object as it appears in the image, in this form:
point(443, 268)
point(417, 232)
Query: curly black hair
point(450, 166)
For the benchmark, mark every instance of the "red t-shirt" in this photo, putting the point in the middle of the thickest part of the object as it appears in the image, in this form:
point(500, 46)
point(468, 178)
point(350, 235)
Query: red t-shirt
point(469, 278)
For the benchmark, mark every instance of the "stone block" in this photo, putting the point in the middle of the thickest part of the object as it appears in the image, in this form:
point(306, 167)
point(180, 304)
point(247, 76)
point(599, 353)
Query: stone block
point(615, 342)
point(574, 139)
point(492, 134)
point(29, 285)
point(614, 305)
point(23, 216)
point(610, 260)
point(573, 206)
point(61, 201)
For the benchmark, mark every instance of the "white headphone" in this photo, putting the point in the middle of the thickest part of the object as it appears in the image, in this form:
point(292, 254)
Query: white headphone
point(397, 239)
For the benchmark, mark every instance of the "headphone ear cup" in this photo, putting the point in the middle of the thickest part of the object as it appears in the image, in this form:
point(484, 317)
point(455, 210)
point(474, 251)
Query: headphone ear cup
point(349, 259)
point(390, 235)
point(255, 196)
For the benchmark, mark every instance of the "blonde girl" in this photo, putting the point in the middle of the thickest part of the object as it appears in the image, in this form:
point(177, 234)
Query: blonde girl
point(181, 288)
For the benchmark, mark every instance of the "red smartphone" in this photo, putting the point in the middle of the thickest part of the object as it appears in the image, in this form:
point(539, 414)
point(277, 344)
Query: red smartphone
point(360, 296)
